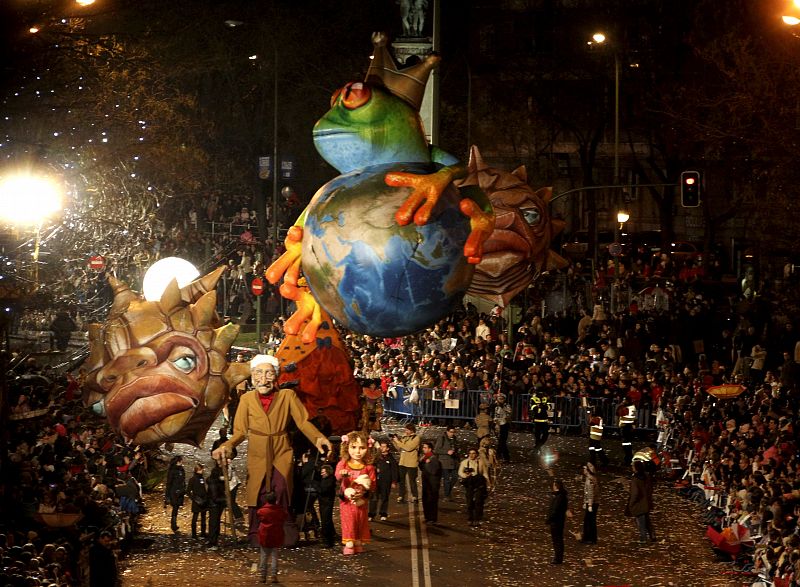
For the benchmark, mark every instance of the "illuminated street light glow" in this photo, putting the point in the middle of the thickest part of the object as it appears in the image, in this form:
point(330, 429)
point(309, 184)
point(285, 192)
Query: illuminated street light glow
point(622, 217)
point(33, 30)
point(25, 199)
point(599, 38)
point(791, 20)
point(84, 2)
point(162, 272)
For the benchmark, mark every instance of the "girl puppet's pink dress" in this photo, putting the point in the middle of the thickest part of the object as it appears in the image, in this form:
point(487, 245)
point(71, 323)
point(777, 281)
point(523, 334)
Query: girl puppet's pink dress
point(353, 489)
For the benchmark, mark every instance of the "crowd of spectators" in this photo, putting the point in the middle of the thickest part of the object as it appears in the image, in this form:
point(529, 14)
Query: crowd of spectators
point(665, 358)
point(67, 487)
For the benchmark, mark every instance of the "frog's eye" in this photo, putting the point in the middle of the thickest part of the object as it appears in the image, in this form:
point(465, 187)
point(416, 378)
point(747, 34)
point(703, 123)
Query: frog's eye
point(355, 95)
point(335, 96)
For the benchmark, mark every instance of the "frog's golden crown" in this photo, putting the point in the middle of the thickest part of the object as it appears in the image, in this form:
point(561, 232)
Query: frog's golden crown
point(407, 84)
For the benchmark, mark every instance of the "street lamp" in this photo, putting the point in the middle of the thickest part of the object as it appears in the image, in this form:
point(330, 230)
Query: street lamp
point(792, 19)
point(28, 200)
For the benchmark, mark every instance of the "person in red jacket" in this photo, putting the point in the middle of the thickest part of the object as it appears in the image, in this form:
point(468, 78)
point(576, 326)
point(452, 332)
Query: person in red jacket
point(270, 536)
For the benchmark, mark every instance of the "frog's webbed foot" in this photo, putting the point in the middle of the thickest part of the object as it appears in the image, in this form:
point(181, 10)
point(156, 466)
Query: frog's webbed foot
point(427, 191)
point(482, 224)
point(287, 266)
point(307, 309)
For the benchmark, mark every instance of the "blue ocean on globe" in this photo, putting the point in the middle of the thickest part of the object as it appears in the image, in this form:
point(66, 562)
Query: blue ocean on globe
point(372, 275)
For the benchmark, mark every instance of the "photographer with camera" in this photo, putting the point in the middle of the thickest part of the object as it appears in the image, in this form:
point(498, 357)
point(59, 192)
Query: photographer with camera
point(408, 446)
point(473, 475)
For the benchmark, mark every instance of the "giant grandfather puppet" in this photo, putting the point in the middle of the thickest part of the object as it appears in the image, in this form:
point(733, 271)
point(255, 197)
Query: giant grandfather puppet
point(262, 418)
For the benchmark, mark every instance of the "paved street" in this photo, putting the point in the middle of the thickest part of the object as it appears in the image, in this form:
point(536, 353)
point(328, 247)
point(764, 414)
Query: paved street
point(511, 548)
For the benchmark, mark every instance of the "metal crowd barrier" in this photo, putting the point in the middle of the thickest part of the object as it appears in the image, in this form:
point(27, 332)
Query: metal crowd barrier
point(567, 413)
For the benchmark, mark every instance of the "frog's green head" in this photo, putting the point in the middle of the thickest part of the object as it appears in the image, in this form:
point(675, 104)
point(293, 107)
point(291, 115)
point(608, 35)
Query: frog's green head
point(377, 121)
point(367, 125)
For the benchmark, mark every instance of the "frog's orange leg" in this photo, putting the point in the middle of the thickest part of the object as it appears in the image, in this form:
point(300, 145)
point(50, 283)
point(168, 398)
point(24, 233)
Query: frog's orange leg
point(287, 266)
point(482, 224)
point(307, 309)
point(427, 191)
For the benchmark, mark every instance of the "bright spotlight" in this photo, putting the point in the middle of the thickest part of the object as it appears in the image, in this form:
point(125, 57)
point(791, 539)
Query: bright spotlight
point(25, 199)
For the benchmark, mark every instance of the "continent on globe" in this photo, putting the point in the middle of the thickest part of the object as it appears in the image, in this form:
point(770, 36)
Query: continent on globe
point(373, 275)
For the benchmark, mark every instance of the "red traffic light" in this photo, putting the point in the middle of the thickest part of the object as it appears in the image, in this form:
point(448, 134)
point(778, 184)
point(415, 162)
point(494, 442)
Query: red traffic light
point(690, 189)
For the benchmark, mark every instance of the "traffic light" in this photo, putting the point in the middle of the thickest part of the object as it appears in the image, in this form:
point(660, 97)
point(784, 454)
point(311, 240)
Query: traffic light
point(690, 189)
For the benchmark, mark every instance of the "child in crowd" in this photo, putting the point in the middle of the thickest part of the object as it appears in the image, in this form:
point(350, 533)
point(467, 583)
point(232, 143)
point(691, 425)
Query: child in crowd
point(270, 537)
point(356, 476)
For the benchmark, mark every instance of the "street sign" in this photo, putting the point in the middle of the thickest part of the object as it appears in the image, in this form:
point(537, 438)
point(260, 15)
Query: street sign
point(615, 249)
point(97, 262)
point(287, 168)
point(257, 286)
point(264, 167)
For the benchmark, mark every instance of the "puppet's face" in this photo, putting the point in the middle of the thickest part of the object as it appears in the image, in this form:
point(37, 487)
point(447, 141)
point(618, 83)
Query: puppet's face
point(158, 370)
point(263, 378)
point(519, 246)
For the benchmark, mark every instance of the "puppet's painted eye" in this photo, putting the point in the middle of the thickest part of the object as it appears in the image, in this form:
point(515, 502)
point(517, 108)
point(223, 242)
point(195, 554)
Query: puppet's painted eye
point(186, 363)
point(532, 216)
point(184, 359)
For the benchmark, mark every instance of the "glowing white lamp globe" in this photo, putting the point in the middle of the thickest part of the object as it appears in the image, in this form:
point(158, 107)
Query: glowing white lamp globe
point(162, 272)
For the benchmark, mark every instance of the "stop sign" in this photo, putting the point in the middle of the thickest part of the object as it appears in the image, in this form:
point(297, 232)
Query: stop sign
point(257, 286)
point(97, 263)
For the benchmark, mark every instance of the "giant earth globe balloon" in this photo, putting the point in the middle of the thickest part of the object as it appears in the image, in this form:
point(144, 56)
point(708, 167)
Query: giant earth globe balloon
point(372, 275)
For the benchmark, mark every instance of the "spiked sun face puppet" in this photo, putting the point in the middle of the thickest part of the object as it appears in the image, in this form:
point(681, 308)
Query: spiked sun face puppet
point(518, 248)
point(158, 370)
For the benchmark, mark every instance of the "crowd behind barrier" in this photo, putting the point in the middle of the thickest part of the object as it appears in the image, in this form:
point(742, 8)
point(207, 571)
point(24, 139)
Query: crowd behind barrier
point(569, 414)
point(667, 358)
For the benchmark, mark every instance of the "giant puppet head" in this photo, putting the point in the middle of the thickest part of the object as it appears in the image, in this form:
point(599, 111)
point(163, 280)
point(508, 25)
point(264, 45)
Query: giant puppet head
point(519, 247)
point(158, 370)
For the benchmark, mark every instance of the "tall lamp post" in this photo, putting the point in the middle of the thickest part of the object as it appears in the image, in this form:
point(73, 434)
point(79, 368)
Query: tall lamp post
point(600, 38)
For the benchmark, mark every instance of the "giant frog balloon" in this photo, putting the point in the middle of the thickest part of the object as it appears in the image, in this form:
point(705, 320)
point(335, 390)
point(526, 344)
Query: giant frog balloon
point(389, 246)
point(159, 370)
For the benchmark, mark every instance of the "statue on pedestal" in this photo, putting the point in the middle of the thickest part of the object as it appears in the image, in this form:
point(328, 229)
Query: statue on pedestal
point(412, 13)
